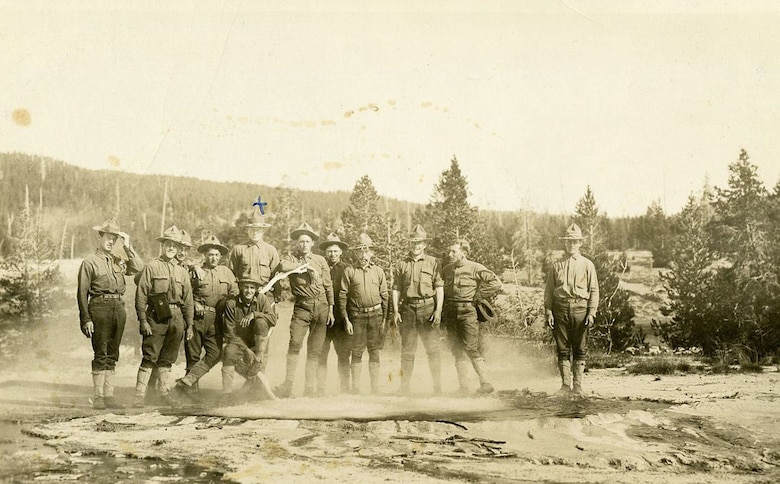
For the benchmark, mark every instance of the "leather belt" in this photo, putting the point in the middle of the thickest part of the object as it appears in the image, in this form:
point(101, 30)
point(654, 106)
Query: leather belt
point(458, 302)
point(209, 309)
point(366, 310)
point(413, 300)
point(173, 305)
point(110, 296)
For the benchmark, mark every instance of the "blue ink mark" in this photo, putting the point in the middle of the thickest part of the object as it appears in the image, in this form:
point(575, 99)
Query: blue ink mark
point(261, 205)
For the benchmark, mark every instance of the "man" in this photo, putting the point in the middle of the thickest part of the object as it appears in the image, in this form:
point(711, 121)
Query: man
point(248, 319)
point(465, 284)
point(363, 300)
point(418, 294)
point(313, 310)
point(210, 286)
point(571, 299)
point(339, 334)
point(101, 285)
point(163, 302)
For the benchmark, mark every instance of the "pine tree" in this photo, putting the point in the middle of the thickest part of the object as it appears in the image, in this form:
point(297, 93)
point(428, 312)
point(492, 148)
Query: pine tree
point(363, 214)
point(587, 216)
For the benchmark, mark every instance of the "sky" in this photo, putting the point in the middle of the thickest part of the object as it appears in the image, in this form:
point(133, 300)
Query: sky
point(537, 100)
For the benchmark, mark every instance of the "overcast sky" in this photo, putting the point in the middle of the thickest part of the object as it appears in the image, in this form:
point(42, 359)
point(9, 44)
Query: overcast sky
point(536, 99)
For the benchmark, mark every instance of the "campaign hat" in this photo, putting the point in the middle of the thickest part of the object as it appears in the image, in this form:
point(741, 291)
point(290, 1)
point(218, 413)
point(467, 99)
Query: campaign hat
point(257, 220)
point(110, 226)
point(172, 233)
point(573, 232)
point(418, 234)
point(212, 242)
point(333, 239)
point(304, 228)
point(364, 242)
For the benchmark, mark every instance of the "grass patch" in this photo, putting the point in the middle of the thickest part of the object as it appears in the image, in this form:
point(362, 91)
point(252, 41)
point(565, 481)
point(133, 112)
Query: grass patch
point(721, 369)
point(751, 368)
point(608, 361)
point(660, 365)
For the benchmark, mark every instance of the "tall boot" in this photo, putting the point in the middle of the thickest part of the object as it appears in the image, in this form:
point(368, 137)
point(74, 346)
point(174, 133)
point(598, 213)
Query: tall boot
point(264, 351)
point(484, 384)
point(285, 389)
point(564, 367)
point(357, 370)
point(462, 367)
point(407, 368)
point(435, 365)
point(310, 376)
point(344, 375)
point(108, 390)
point(164, 384)
point(140, 386)
point(98, 382)
point(228, 375)
point(373, 372)
point(579, 370)
point(322, 378)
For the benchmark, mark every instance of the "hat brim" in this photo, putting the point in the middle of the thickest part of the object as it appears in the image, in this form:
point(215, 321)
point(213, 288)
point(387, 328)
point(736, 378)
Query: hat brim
point(164, 238)
point(256, 225)
point(485, 312)
point(250, 281)
point(363, 246)
point(571, 238)
point(298, 232)
point(104, 230)
point(207, 247)
point(418, 239)
point(328, 243)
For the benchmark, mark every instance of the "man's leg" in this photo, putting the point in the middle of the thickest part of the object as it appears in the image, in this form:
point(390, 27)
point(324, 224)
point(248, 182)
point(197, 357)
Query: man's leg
point(408, 332)
point(299, 326)
point(374, 343)
point(150, 349)
point(450, 320)
point(194, 346)
point(322, 367)
point(430, 338)
point(359, 343)
point(118, 329)
point(561, 336)
point(469, 333)
point(314, 344)
point(342, 342)
point(579, 345)
point(100, 311)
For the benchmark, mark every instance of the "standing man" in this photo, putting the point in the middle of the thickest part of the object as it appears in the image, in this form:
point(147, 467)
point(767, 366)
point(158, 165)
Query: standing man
point(313, 310)
point(248, 319)
point(571, 299)
point(101, 285)
point(256, 257)
point(465, 284)
point(163, 302)
point(418, 294)
point(340, 334)
point(363, 300)
point(210, 285)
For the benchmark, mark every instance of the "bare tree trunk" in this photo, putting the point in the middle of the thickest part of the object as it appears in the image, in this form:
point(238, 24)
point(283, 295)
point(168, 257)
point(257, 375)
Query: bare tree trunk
point(164, 206)
point(62, 239)
point(72, 242)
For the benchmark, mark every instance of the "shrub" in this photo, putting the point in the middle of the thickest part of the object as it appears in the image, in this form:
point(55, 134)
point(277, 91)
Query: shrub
point(660, 365)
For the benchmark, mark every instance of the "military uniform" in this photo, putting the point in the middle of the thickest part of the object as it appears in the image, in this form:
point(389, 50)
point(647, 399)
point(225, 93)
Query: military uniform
point(313, 291)
point(161, 348)
point(465, 282)
point(240, 340)
point(416, 280)
point(363, 299)
point(101, 286)
point(572, 294)
point(337, 333)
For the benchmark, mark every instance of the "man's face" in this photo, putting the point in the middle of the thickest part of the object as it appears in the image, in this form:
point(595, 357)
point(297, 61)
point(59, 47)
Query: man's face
point(365, 255)
point(304, 243)
point(248, 290)
point(181, 253)
point(107, 241)
point(572, 246)
point(212, 258)
point(169, 249)
point(333, 254)
point(418, 248)
point(455, 252)
point(255, 234)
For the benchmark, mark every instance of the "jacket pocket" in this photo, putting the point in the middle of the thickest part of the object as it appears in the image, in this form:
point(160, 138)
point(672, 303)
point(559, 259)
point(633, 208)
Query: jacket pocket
point(160, 284)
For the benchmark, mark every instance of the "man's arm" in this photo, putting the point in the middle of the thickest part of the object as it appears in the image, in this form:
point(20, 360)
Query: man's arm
point(346, 277)
point(383, 289)
point(288, 263)
point(489, 283)
point(134, 261)
point(593, 290)
point(188, 307)
point(86, 271)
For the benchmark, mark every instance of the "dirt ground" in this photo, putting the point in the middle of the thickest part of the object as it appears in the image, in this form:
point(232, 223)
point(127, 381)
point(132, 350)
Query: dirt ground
point(693, 428)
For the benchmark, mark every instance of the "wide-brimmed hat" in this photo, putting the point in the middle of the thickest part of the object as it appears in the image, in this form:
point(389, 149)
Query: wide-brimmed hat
point(485, 312)
point(333, 239)
point(364, 242)
point(212, 242)
point(304, 228)
point(172, 233)
point(573, 232)
point(249, 277)
point(186, 239)
point(256, 220)
point(110, 226)
point(418, 234)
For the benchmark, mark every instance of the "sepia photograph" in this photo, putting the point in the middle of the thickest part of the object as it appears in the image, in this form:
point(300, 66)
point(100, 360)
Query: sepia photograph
point(390, 241)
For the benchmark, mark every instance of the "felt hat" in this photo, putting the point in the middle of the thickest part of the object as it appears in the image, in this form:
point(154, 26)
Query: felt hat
point(110, 226)
point(304, 228)
point(172, 233)
point(257, 220)
point(212, 242)
point(186, 239)
point(485, 312)
point(249, 277)
point(418, 234)
point(364, 242)
point(333, 239)
point(573, 232)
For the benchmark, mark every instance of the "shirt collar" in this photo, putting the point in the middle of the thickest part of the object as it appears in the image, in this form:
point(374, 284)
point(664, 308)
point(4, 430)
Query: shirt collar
point(420, 257)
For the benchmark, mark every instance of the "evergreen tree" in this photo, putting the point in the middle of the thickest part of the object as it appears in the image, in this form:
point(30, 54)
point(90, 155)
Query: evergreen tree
point(655, 234)
point(362, 214)
point(614, 324)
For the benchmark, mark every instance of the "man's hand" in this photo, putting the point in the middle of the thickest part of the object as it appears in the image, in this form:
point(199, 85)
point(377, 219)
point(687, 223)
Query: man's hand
point(188, 332)
point(199, 311)
point(550, 319)
point(331, 317)
point(396, 318)
point(146, 329)
point(589, 319)
point(301, 269)
point(435, 319)
point(348, 327)
point(247, 320)
point(249, 356)
point(125, 239)
point(88, 329)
